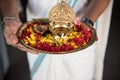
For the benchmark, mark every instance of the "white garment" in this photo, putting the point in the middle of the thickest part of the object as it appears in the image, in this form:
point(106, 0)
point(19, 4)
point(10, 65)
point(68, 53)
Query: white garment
point(75, 66)
point(41, 8)
point(103, 26)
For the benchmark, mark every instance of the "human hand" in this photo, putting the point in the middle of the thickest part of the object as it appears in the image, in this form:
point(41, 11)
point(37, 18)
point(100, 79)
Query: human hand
point(77, 21)
point(85, 22)
point(10, 28)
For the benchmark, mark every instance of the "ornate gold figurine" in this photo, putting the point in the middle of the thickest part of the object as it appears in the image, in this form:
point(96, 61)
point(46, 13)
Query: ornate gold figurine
point(61, 18)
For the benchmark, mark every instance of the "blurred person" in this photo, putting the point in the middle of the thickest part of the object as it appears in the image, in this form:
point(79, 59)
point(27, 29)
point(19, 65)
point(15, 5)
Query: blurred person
point(77, 66)
point(4, 62)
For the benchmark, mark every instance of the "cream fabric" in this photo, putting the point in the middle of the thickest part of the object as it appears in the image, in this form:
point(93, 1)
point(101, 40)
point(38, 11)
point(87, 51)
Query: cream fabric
point(77, 66)
point(103, 27)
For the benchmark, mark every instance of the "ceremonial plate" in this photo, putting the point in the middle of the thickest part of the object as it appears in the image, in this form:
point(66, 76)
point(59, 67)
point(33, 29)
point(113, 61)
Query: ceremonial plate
point(37, 36)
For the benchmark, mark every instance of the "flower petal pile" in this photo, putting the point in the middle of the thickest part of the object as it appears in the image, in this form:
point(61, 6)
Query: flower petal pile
point(79, 37)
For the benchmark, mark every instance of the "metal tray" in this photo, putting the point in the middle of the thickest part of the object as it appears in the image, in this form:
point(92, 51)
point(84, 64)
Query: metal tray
point(45, 21)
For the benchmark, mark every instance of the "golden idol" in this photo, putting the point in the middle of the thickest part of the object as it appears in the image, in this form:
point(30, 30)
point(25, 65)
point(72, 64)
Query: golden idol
point(61, 18)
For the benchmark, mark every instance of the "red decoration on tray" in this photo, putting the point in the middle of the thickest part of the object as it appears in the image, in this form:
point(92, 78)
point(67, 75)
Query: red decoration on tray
point(79, 37)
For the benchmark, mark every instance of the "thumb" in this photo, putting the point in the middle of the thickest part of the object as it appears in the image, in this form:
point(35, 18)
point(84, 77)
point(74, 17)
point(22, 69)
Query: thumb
point(77, 21)
point(14, 39)
point(15, 27)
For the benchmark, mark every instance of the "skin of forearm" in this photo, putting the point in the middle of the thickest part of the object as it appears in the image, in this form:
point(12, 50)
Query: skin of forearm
point(9, 8)
point(95, 9)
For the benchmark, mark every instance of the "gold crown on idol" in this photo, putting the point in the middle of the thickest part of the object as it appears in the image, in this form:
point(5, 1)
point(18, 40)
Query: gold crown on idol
point(61, 18)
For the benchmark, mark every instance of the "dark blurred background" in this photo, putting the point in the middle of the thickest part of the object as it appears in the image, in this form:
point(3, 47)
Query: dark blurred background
point(18, 69)
point(112, 56)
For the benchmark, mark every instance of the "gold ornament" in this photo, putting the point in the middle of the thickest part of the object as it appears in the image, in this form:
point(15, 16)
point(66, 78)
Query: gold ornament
point(61, 18)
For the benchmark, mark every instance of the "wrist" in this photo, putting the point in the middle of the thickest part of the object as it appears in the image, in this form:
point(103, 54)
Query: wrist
point(88, 21)
point(7, 18)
